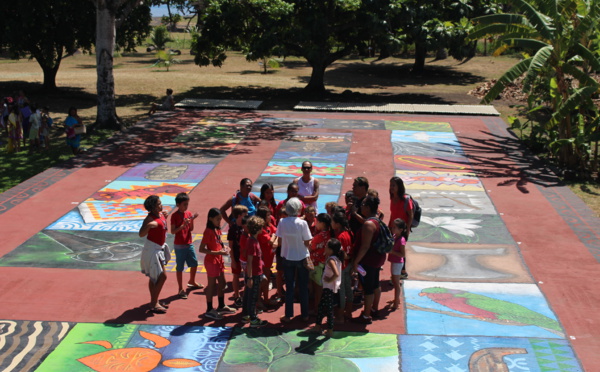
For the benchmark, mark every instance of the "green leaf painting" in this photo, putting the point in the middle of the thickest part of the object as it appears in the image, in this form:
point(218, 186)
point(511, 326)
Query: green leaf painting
point(273, 350)
point(420, 126)
point(463, 228)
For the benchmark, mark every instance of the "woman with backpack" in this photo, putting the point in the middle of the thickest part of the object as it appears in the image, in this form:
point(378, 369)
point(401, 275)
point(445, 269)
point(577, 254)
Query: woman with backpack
point(368, 259)
point(243, 196)
point(402, 207)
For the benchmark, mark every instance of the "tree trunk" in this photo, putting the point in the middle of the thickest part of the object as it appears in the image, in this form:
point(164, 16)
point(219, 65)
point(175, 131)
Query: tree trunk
point(317, 78)
point(420, 55)
point(105, 45)
point(49, 77)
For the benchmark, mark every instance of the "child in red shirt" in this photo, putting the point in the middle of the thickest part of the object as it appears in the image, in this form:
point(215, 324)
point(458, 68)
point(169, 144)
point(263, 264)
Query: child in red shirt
point(214, 249)
point(233, 236)
point(182, 225)
point(268, 245)
point(254, 272)
point(317, 254)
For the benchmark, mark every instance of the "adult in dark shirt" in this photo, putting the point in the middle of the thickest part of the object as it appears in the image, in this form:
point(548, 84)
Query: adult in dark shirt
point(360, 187)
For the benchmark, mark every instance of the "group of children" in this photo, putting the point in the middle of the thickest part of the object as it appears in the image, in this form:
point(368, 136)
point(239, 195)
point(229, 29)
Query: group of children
point(25, 123)
point(253, 248)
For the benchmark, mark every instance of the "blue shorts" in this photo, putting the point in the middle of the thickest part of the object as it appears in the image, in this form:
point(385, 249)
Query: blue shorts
point(185, 254)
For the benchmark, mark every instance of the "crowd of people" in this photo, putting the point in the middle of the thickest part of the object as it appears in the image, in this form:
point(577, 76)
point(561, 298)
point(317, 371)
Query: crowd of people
point(284, 251)
point(27, 125)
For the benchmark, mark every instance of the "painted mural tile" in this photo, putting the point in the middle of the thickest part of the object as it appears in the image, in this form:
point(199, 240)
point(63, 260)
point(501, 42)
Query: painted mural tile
point(466, 262)
point(79, 250)
point(325, 137)
point(485, 354)
point(321, 170)
point(289, 123)
point(454, 202)
point(461, 228)
point(315, 157)
point(130, 192)
point(280, 184)
point(74, 221)
point(300, 146)
point(167, 172)
point(409, 162)
point(24, 343)
point(447, 138)
point(354, 124)
point(280, 350)
point(482, 309)
point(188, 155)
point(425, 126)
point(93, 212)
point(100, 347)
point(441, 150)
point(440, 180)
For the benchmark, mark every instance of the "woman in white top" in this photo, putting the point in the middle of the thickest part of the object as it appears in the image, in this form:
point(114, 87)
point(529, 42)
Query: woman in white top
point(294, 239)
point(308, 186)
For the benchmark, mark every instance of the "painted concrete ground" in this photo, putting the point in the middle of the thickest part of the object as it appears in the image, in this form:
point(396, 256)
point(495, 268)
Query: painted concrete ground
point(482, 293)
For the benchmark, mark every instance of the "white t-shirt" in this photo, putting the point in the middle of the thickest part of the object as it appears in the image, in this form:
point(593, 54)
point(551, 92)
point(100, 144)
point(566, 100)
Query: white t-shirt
point(293, 232)
point(307, 189)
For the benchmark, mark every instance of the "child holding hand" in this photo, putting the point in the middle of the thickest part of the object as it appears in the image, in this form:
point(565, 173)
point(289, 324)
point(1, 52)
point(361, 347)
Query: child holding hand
point(396, 257)
point(254, 272)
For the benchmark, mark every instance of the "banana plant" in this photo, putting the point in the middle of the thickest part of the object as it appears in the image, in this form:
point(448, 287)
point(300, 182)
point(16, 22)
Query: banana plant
point(555, 37)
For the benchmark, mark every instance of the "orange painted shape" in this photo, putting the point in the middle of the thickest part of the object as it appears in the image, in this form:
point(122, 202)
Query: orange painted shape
point(104, 344)
point(131, 359)
point(159, 341)
point(181, 363)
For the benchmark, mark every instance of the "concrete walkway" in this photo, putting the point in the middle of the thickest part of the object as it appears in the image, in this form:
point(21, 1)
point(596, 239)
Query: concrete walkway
point(503, 268)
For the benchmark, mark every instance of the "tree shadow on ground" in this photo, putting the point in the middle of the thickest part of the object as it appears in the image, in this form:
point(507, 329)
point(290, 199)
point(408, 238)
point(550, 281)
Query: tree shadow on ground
point(498, 156)
point(62, 97)
point(383, 75)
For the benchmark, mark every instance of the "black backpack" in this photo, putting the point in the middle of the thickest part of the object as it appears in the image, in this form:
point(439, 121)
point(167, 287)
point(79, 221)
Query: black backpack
point(385, 240)
point(416, 208)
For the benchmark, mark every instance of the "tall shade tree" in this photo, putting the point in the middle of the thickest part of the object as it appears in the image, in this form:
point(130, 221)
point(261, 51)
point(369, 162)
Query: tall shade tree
point(110, 15)
point(559, 40)
point(46, 31)
point(322, 31)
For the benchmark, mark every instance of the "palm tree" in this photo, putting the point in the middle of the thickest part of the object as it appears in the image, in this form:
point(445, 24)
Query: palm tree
point(556, 36)
point(160, 37)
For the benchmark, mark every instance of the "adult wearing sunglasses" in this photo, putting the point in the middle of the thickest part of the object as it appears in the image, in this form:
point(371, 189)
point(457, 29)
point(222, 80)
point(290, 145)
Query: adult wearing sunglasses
point(308, 186)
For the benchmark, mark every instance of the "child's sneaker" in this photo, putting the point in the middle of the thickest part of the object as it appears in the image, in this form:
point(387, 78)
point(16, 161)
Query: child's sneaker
point(214, 314)
point(238, 302)
point(246, 319)
point(226, 310)
point(258, 323)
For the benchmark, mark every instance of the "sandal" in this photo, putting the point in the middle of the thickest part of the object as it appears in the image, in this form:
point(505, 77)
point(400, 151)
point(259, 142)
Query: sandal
point(158, 310)
point(163, 304)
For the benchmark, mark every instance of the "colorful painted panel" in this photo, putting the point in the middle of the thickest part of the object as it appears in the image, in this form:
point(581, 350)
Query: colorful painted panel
point(79, 250)
point(326, 137)
point(462, 228)
point(74, 221)
point(188, 155)
point(425, 126)
point(408, 162)
point(326, 185)
point(447, 138)
point(466, 262)
point(321, 170)
point(114, 212)
point(272, 349)
point(483, 309)
point(440, 180)
point(136, 192)
point(354, 124)
point(454, 202)
point(315, 157)
point(289, 123)
point(300, 146)
point(23, 344)
point(486, 354)
point(103, 347)
point(440, 150)
point(172, 172)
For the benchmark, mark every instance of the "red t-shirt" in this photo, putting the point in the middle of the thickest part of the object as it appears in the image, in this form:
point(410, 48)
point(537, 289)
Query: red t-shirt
point(397, 211)
point(253, 249)
point(264, 238)
point(158, 234)
point(372, 258)
point(243, 242)
point(317, 247)
point(212, 239)
point(346, 239)
point(183, 236)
